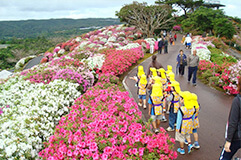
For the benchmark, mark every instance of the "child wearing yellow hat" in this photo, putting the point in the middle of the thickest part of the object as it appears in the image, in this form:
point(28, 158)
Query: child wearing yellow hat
point(185, 117)
point(142, 85)
point(156, 98)
point(196, 124)
point(173, 97)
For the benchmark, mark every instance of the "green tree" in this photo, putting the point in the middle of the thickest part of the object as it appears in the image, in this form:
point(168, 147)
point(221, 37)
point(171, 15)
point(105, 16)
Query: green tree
point(146, 18)
point(209, 20)
point(185, 5)
point(222, 27)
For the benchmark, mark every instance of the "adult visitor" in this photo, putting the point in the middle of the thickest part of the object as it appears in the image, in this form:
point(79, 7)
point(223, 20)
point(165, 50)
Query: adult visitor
point(192, 63)
point(181, 62)
point(153, 64)
point(160, 45)
point(233, 128)
point(188, 41)
point(165, 45)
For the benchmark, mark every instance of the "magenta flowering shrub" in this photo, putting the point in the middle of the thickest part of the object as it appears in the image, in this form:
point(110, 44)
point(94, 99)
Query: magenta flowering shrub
point(119, 61)
point(105, 124)
point(70, 69)
point(229, 78)
point(176, 28)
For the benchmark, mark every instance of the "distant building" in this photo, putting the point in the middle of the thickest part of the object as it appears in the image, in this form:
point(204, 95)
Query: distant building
point(212, 4)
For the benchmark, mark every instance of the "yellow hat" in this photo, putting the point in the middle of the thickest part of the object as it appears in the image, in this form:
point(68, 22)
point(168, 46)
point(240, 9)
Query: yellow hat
point(157, 80)
point(171, 76)
point(140, 71)
point(187, 99)
point(156, 90)
point(194, 100)
point(143, 79)
point(153, 70)
point(176, 85)
point(162, 71)
point(169, 69)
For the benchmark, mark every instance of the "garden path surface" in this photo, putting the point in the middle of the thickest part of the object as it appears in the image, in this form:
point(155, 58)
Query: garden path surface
point(33, 62)
point(215, 106)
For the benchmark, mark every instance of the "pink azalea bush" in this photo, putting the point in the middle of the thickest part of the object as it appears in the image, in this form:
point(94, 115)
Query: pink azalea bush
point(105, 123)
point(68, 69)
point(118, 61)
point(229, 78)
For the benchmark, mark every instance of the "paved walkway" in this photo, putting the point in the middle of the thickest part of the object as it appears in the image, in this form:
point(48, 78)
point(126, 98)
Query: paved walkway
point(33, 62)
point(214, 112)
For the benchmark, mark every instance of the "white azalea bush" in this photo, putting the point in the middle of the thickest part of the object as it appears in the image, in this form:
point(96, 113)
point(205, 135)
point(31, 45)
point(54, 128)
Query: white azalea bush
point(201, 47)
point(30, 113)
point(23, 61)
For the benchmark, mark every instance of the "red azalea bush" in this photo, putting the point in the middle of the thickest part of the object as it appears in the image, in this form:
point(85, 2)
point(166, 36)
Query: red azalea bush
point(119, 61)
point(105, 124)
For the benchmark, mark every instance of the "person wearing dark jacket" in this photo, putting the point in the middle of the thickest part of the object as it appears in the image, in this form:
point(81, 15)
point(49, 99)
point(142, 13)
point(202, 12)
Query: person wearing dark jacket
point(153, 64)
point(233, 128)
point(165, 45)
point(160, 45)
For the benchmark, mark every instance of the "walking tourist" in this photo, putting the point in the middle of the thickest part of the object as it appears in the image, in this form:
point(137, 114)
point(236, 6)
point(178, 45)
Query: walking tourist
point(155, 64)
point(233, 128)
point(160, 45)
point(181, 62)
point(192, 63)
point(156, 98)
point(173, 98)
point(165, 45)
point(175, 37)
point(152, 44)
point(188, 41)
point(185, 117)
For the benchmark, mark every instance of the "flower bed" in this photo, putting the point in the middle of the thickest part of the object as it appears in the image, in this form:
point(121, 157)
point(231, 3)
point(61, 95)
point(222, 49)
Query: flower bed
point(105, 123)
point(64, 68)
point(118, 61)
point(229, 78)
point(30, 113)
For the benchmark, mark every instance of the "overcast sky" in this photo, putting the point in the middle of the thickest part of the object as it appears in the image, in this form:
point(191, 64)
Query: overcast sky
point(46, 9)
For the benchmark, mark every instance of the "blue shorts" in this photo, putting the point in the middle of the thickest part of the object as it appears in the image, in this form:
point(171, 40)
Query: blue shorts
point(188, 44)
point(142, 96)
point(149, 100)
point(194, 130)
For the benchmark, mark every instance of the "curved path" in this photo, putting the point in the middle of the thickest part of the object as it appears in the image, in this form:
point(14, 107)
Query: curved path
point(33, 62)
point(214, 112)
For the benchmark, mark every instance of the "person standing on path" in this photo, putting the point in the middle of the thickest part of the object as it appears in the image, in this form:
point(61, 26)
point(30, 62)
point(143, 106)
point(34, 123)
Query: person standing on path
point(185, 117)
point(165, 45)
point(233, 128)
point(181, 62)
point(192, 63)
point(160, 45)
point(153, 64)
point(175, 37)
point(152, 44)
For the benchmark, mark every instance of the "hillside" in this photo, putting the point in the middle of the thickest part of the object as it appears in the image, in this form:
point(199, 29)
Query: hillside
point(51, 27)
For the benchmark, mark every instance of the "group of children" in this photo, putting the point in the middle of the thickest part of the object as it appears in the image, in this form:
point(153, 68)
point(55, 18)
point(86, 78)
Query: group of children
point(165, 96)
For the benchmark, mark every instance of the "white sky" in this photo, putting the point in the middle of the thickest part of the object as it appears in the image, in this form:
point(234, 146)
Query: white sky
point(46, 9)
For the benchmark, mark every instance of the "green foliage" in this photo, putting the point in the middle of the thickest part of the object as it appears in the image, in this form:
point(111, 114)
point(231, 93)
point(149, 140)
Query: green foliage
point(223, 27)
point(206, 20)
point(219, 58)
point(185, 5)
point(146, 18)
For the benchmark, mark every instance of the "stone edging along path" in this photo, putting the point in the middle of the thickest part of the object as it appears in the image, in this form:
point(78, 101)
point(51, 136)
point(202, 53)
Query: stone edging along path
point(215, 106)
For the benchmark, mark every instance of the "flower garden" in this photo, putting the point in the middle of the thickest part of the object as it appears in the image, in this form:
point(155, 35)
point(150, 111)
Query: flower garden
point(217, 68)
point(70, 106)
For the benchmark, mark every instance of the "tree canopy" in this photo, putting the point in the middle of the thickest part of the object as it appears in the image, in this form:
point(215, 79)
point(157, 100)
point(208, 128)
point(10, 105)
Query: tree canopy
point(146, 18)
point(209, 20)
point(185, 5)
